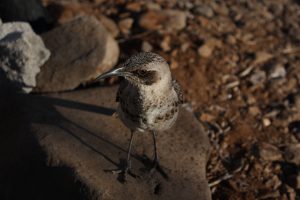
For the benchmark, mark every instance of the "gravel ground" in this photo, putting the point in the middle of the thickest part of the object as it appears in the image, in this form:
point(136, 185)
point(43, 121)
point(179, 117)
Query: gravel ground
point(239, 65)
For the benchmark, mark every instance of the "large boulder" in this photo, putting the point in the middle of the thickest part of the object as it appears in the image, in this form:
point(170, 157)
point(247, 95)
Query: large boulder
point(77, 132)
point(22, 52)
point(80, 50)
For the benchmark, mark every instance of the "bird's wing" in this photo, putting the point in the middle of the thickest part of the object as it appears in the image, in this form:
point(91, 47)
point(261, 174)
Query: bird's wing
point(123, 85)
point(178, 90)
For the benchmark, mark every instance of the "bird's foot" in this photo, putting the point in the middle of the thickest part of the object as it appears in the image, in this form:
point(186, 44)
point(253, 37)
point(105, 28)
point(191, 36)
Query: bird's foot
point(123, 168)
point(123, 173)
point(154, 166)
point(120, 171)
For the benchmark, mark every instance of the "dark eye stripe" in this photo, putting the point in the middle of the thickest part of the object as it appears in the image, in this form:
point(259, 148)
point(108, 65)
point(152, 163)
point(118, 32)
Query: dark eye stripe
point(142, 73)
point(148, 77)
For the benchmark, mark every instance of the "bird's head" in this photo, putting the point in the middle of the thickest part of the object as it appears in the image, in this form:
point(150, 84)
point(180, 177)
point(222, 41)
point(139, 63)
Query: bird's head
point(144, 68)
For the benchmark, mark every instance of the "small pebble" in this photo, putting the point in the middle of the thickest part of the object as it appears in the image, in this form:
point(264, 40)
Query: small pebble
point(269, 152)
point(146, 46)
point(125, 25)
point(266, 122)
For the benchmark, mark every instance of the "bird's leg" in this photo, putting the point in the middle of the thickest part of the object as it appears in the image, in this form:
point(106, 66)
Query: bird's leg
point(155, 160)
point(128, 161)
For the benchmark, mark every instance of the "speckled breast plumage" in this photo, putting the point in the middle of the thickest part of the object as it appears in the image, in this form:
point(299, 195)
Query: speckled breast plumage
point(143, 113)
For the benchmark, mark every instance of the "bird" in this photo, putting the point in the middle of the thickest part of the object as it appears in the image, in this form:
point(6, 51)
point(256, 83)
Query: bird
point(148, 98)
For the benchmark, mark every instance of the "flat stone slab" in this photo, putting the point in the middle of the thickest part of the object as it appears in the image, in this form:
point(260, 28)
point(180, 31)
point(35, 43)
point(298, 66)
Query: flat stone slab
point(77, 130)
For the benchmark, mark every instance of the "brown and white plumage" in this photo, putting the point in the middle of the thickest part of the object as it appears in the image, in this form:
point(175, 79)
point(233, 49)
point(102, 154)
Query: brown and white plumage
point(148, 97)
point(152, 103)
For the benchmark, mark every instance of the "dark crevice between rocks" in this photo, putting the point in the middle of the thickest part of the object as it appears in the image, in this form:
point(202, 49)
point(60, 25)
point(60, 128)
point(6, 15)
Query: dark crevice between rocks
point(24, 173)
point(31, 11)
point(157, 189)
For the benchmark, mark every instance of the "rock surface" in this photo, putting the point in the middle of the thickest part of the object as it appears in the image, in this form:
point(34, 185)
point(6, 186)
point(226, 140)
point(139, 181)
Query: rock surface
point(81, 50)
point(22, 52)
point(76, 130)
point(110, 25)
point(169, 20)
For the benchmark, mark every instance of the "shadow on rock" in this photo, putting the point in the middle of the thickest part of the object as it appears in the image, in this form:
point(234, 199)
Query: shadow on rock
point(56, 119)
point(79, 152)
point(24, 173)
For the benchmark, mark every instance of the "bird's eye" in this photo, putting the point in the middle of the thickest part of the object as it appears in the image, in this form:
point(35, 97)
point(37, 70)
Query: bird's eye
point(147, 76)
point(142, 73)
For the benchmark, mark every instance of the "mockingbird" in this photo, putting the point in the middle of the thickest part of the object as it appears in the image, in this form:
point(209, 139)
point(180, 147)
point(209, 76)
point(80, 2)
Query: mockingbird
point(148, 97)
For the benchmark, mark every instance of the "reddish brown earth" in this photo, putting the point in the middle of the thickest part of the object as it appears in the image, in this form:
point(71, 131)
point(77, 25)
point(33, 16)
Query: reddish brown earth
point(239, 66)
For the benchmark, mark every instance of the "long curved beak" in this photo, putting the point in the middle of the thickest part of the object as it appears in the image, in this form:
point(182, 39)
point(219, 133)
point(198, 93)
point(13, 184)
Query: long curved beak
point(114, 72)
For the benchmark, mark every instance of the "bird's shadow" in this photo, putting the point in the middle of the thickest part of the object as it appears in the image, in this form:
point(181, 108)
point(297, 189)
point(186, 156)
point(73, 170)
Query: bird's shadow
point(43, 110)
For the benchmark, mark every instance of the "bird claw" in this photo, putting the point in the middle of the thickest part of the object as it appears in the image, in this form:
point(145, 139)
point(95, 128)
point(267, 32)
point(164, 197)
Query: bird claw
point(154, 166)
point(120, 171)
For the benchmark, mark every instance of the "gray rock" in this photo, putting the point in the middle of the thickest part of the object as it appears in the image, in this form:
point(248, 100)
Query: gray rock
point(81, 50)
point(22, 52)
point(78, 131)
point(12, 27)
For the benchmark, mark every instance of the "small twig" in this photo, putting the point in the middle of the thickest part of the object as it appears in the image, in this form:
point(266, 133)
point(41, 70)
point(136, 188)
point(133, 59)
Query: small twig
point(226, 176)
point(220, 130)
point(223, 178)
point(246, 71)
point(233, 84)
